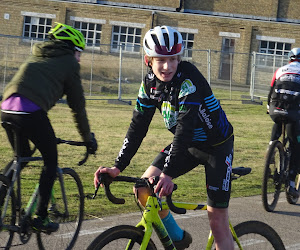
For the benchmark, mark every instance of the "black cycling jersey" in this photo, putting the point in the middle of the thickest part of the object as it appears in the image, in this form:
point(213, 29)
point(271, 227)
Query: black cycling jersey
point(189, 109)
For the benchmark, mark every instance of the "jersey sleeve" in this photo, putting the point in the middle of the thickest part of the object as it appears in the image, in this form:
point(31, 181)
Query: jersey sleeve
point(272, 87)
point(76, 101)
point(141, 119)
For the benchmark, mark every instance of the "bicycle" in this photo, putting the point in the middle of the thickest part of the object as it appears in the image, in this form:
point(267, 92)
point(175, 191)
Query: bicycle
point(276, 173)
point(247, 235)
point(17, 218)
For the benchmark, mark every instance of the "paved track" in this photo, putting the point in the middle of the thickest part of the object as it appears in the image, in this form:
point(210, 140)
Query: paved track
point(285, 220)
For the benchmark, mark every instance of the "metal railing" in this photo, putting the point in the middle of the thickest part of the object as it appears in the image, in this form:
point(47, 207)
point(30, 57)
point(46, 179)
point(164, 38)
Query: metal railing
point(116, 74)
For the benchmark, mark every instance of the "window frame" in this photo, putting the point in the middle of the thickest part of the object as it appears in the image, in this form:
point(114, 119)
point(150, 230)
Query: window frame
point(35, 20)
point(86, 31)
point(273, 53)
point(188, 50)
point(131, 47)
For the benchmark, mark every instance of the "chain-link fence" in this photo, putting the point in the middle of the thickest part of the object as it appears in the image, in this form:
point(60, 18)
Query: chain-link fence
point(115, 72)
point(263, 68)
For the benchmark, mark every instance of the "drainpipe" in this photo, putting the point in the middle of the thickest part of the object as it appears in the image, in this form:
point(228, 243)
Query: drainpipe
point(152, 21)
point(180, 6)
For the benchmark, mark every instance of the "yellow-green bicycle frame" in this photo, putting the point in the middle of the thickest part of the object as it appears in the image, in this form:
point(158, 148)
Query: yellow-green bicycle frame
point(151, 219)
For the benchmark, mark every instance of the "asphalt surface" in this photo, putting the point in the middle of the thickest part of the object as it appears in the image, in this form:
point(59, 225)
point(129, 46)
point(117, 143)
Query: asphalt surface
point(285, 220)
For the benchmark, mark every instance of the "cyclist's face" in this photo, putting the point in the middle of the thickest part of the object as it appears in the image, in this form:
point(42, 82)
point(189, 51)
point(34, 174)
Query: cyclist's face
point(77, 55)
point(165, 67)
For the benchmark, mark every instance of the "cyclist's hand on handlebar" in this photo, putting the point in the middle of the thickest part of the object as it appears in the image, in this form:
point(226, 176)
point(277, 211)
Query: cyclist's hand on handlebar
point(92, 145)
point(113, 172)
point(164, 186)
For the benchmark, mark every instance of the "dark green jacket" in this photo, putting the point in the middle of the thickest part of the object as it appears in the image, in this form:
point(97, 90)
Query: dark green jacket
point(47, 75)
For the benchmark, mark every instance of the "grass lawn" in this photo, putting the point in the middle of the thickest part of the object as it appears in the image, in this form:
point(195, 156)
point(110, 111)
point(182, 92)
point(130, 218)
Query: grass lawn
point(252, 128)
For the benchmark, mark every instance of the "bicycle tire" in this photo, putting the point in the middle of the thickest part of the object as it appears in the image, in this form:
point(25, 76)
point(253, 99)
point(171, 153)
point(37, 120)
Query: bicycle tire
point(6, 237)
point(69, 226)
point(272, 177)
point(258, 235)
point(117, 238)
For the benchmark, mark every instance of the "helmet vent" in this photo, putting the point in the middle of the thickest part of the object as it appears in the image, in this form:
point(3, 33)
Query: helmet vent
point(154, 37)
point(167, 41)
point(175, 38)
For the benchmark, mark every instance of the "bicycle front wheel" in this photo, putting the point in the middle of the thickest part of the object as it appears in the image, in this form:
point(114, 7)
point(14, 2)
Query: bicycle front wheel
point(272, 178)
point(117, 238)
point(9, 218)
point(69, 213)
point(258, 235)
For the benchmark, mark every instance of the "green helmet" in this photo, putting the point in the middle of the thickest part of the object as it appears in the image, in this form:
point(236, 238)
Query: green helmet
point(66, 33)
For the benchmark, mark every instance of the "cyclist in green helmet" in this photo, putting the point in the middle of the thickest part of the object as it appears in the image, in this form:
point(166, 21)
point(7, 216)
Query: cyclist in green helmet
point(51, 72)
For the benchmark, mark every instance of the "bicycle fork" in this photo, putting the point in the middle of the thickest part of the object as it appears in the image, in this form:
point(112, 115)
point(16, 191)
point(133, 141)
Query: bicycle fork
point(150, 220)
point(64, 197)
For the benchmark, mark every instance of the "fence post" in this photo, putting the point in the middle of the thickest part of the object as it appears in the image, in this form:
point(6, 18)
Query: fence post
point(92, 64)
point(230, 73)
point(120, 73)
point(208, 66)
point(5, 67)
point(252, 82)
point(31, 46)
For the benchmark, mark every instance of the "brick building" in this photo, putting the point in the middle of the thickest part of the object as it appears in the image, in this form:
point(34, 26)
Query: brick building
point(222, 33)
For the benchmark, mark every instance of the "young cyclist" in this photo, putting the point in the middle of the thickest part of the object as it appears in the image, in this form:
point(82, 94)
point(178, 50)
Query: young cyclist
point(200, 127)
point(49, 73)
point(284, 106)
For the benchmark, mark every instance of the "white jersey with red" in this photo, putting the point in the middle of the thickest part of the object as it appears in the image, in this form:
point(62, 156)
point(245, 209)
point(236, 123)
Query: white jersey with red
point(284, 95)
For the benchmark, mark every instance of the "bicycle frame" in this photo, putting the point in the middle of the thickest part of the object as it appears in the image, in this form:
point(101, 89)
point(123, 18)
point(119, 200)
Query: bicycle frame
point(16, 168)
point(150, 219)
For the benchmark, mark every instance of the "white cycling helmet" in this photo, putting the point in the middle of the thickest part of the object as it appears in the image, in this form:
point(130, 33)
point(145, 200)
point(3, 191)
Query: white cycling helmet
point(163, 41)
point(294, 54)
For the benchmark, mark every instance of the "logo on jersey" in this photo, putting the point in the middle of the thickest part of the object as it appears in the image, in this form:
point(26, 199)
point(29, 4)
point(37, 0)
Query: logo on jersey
point(151, 76)
point(187, 87)
point(204, 116)
point(169, 114)
point(227, 179)
point(286, 91)
point(142, 92)
point(124, 146)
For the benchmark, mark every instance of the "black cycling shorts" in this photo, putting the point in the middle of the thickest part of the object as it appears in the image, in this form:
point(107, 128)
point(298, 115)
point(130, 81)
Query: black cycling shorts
point(218, 168)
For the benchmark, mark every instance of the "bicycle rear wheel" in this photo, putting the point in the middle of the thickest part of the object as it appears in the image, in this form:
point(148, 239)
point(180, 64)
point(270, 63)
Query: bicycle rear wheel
point(272, 177)
point(69, 221)
point(9, 219)
point(258, 235)
point(117, 238)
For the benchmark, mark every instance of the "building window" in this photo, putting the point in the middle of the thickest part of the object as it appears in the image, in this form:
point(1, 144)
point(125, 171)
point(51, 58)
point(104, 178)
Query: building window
point(276, 53)
point(188, 42)
point(129, 37)
point(36, 27)
point(91, 32)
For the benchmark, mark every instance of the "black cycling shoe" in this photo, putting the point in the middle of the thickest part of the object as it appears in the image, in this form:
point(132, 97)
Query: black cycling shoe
point(185, 242)
point(44, 225)
point(292, 192)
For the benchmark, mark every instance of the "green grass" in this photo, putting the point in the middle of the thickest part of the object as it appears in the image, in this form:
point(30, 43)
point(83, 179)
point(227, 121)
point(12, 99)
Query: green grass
point(252, 129)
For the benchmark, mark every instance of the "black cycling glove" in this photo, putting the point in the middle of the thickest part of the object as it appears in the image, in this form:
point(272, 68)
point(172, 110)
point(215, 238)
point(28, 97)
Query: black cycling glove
point(92, 145)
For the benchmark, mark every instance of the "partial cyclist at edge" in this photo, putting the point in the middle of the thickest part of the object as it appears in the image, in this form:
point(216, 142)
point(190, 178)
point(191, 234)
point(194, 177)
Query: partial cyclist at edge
point(284, 106)
point(195, 117)
point(52, 71)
